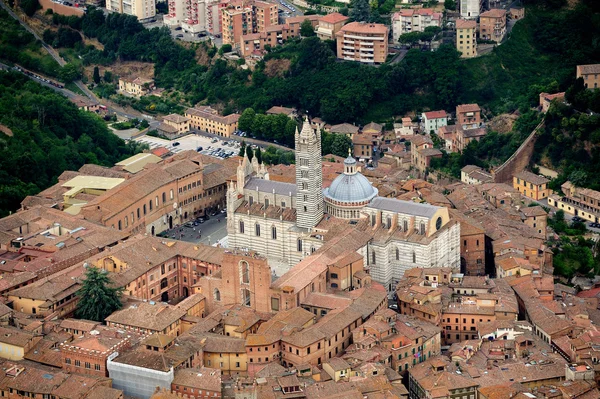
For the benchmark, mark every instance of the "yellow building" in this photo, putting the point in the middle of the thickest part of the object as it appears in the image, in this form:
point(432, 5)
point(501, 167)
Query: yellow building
point(208, 119)
point(531, 185)
point(466, 41)
point(590, 75)
point(337, 368)
point(81, 187)
point(14, 343)
point(225, 353)
point(136, 87)
point(143, 9)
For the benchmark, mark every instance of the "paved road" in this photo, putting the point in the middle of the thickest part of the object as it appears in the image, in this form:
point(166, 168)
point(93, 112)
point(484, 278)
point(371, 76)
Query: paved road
point(249, 140)
point(568, 216)
point(209, 232)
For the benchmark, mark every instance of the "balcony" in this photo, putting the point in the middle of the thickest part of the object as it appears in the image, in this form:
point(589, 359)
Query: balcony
point(372, 38)
point(348, 47)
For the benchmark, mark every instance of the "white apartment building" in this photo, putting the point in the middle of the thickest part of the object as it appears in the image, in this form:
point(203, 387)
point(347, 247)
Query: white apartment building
point(470, 9)
point(194, 15)
point(414, 20)
point(433, 120)
point(142, 9)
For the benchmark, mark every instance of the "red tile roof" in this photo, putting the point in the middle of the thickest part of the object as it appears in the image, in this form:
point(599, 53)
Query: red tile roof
point(334, 18)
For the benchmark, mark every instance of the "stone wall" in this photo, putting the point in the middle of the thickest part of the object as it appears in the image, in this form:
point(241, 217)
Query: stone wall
point(517, 161)
point(60, 8)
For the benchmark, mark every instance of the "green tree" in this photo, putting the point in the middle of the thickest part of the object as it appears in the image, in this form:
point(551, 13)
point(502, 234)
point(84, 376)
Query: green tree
point(226, 48)
point(258, 154)
point(340, 145)
point(97, 298)
point(69, 73)
point(306, 28)
point(246, 120)
point(242, 149)
point(249, 152)
point(450, 5)
point(29, 7)
point(108, 76)
point(361, 11)
point(410, 39)
point(96, 75)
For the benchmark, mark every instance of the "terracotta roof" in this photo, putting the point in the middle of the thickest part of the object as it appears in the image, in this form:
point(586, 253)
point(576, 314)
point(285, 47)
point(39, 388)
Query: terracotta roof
point(14, 336)
point(530, 211)
point(157, 317)
point(435, 114)
point(467, 107)
point(493, 13)
point(532, 178)
point(361, 27)
point(465, 24)
point(334, 18)
point(338, 364)
point(211, 114)
point(204, 378)
point(589, 69)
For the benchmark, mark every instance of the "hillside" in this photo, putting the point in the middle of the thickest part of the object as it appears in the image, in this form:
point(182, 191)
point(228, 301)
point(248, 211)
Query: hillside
point(48, 135)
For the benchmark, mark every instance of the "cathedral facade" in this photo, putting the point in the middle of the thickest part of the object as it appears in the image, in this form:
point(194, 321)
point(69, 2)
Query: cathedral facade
point(287, 222)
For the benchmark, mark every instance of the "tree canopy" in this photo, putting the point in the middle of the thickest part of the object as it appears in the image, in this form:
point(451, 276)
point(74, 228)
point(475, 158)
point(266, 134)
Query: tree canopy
point(97, 298)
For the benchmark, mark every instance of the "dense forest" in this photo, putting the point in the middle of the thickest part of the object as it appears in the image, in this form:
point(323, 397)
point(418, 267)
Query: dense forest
point(49, 135)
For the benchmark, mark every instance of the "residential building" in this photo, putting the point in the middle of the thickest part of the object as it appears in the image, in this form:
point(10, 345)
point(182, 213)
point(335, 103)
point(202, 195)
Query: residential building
point(433, 120)
point(492, 25)
point(414, 20)
point(546, 100)
point(275, 35)
point(180, 123)
point(472, 245)
point(468, 116)
point(531, 185)
point(347, 129)
point(471, 9)
point(463, 137)
point(466, 39)
point(202, 383)
point(472, 174)
point(15, 343)
point(363, 42)
point(329, 25)
point(244, 17)
point(578, 201)
point(207, 119)
point(422, 158)
point(337, 368)
point(404, 129)
point(194, 16)
point(291, 113)
point(363, 146)
point(143, 10)
point(294, 23)
point(590, 75)
point(517, 12)
point(135, 87)
point(88, 352)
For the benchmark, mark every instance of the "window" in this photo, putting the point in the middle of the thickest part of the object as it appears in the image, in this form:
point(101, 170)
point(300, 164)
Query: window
point(241, 226)
point(77, 363)
point(150, 204)
point(274, 303)
point(251, 200)
point(216, 296)
point(244, 272)
point(120, 227)
point(257, 229)
point(67, 360)
point(138, 213)
point(246, 297)
point(414, 254)
point(274, 232)
point(397, 254)
point(88, 365)
point(171, 194)
point(144, 209)
point(405, 225)
point(334, 275)
point(422, 229)
point(389, 222)
point(299, 245)
point(164, 197)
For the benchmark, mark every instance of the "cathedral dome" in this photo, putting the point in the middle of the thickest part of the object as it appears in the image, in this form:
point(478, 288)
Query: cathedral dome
point(350, 186)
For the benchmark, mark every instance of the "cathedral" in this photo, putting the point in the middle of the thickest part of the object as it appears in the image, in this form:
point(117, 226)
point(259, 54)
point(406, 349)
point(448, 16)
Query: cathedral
point(286, 222)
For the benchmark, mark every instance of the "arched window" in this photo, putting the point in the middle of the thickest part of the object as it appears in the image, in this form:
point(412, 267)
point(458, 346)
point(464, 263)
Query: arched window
point(144, 209)
point(164, 283)
point(389, 222)
point(397, 254)
point(164, 197)
point(241, 226)
point(150, 203)
point(120, 227)
point(266, 202)
point(216, 295)
point(244, 272)
point(422, 228)
point(274, 232)
point(405, 225)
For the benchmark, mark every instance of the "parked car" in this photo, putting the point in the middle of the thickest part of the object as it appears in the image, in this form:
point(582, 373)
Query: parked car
point(199, 149)
point(179, 35)
point(175, 144)
point(178, 28)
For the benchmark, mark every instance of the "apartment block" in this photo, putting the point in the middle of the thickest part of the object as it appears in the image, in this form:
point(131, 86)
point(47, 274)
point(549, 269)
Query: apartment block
point(363, 42)
point(207, 119)
point(136, 87)
point(142, 9)
point(330, 25)
point(414, 20)
point(531, 185)
point(194, 15)
point(244, 17)
point(590, 75)
point(466, 40)
point(471, 9)
point(492, 25)
point(272, 36)
point(434, 120)
point(468, 116)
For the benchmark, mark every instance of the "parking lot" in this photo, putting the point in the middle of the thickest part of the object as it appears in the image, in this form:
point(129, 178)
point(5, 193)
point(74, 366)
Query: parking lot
point(210, 146)
point(209, 232)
